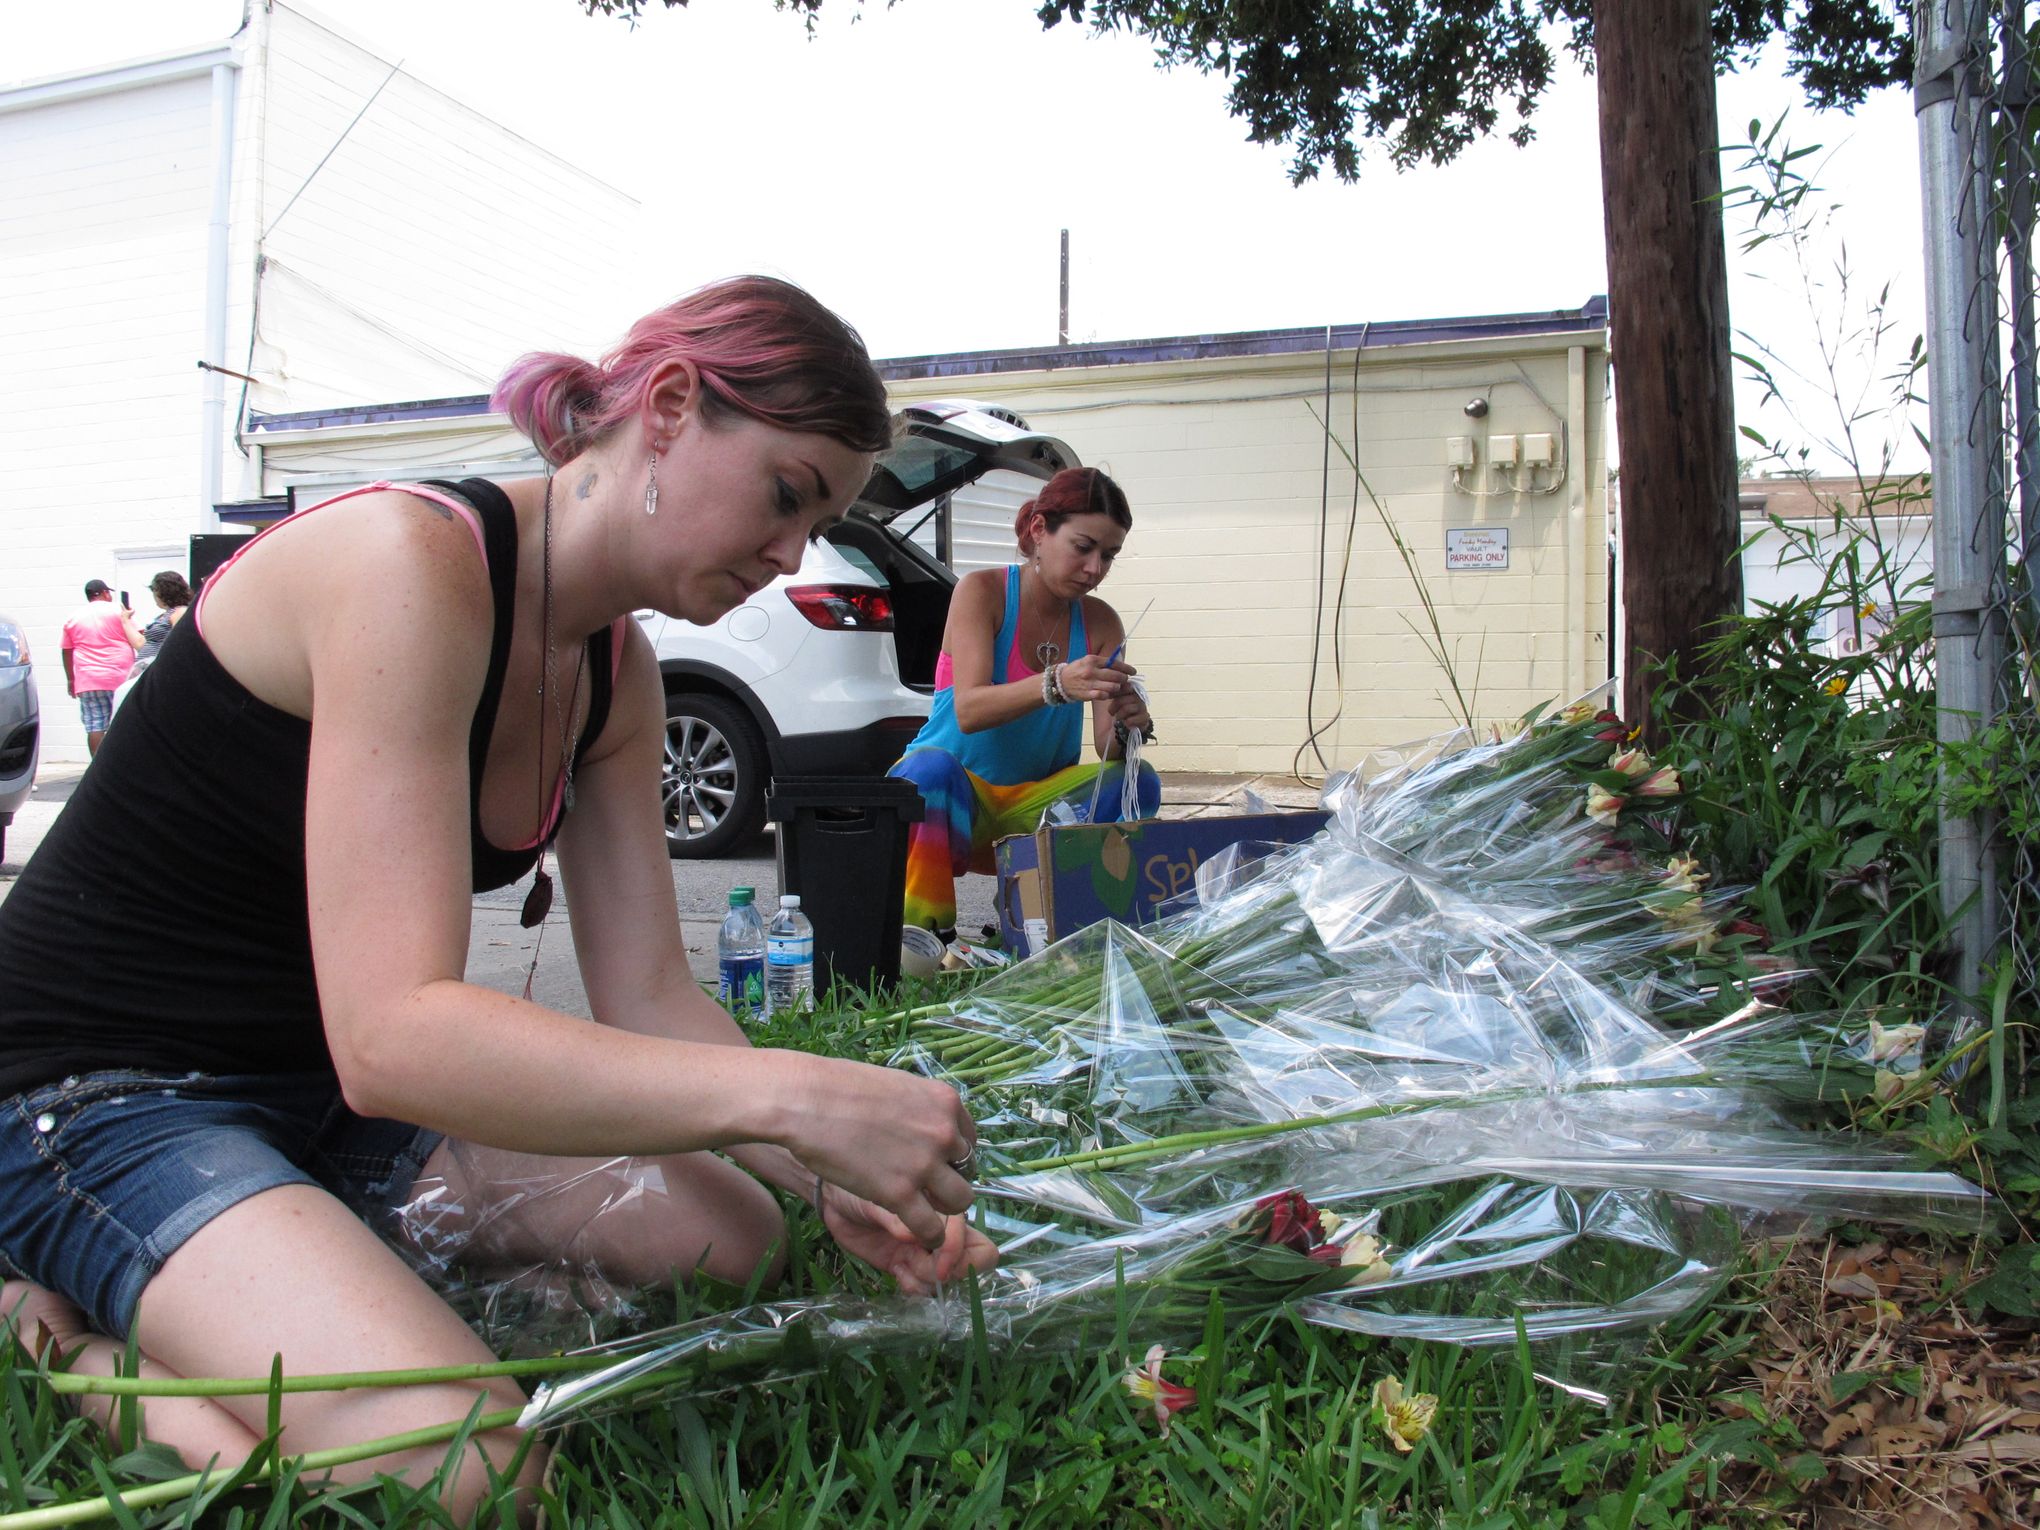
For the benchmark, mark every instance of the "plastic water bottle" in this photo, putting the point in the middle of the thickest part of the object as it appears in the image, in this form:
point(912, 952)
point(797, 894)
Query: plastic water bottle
point(789, 958)
point(740, 955)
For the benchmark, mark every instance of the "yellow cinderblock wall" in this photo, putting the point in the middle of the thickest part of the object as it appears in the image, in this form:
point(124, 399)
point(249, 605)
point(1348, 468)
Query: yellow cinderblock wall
point(1225, 464)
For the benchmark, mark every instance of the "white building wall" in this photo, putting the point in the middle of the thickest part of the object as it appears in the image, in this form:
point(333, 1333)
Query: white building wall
point(1263, 565)
point(430, 248)
point(417, 251)
point(103, 205)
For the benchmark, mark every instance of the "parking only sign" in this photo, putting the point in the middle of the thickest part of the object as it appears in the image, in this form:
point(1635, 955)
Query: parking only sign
point(1481, 548)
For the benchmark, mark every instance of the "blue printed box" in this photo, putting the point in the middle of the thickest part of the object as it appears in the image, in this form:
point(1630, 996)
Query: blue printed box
point(1061, 878)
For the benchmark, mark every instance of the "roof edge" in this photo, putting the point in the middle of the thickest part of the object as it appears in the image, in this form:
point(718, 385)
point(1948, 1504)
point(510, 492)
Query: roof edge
point(157, 69)
point(1590, 316)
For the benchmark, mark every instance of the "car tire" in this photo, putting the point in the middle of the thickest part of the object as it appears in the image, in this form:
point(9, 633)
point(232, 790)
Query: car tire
point(713, 792)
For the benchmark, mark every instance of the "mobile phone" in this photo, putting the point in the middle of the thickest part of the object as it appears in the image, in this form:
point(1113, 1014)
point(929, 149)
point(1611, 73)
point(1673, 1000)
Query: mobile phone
point(124, 601)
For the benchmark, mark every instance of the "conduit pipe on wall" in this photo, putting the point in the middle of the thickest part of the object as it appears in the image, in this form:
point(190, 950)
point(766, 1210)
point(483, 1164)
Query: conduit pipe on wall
point(1576, 549)
point(213, 409)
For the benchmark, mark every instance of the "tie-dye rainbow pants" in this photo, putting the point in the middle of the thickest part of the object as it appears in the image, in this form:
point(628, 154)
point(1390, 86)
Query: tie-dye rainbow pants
point(962, 814)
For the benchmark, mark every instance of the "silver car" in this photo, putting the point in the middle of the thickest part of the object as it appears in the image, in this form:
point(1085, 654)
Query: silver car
point(20, 724)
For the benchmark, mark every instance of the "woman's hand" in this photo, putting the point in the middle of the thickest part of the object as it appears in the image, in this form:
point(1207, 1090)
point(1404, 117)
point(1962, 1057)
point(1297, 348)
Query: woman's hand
point(1092, 678)
point(889, 1136)
point(884, 1242)
point(1129, 707)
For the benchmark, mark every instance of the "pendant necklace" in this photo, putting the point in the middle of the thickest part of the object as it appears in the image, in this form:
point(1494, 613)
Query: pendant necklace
point(538, 902)
point(1045, 653)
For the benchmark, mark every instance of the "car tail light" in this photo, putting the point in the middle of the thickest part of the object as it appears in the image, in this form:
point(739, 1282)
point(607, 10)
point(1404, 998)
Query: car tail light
point(843, 608)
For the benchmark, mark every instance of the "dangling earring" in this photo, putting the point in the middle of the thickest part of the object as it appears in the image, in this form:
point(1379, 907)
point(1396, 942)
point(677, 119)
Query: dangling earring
point(652, 486)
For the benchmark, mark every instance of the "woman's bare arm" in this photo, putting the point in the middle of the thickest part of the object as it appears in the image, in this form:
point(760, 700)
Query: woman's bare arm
point(387, 876)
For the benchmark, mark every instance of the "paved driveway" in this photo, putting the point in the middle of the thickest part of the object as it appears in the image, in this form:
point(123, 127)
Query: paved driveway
point(500, 950)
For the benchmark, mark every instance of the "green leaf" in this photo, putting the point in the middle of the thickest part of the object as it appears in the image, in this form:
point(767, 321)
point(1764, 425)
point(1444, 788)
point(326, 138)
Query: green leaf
point(1846, 1384)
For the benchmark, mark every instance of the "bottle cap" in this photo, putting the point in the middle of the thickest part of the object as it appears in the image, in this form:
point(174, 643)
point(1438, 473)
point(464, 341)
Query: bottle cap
point(739, 896)
point(789, 900)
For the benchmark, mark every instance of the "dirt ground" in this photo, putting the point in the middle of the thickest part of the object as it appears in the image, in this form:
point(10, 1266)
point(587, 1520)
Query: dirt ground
point(1888, 1401)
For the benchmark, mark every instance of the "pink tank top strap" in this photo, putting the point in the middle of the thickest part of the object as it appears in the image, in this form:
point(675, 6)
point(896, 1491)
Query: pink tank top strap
point(459, 507)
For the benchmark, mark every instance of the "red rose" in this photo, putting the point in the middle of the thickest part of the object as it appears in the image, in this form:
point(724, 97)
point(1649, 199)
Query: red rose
point(1292, 1221)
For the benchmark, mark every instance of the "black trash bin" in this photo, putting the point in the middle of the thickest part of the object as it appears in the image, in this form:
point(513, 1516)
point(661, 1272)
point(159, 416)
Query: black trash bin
point(843, 849)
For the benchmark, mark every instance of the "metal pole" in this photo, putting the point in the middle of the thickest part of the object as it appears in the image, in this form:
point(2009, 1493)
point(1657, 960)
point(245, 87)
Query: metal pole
point(1062, 325)
point(2019, 201)
point(1964, 422)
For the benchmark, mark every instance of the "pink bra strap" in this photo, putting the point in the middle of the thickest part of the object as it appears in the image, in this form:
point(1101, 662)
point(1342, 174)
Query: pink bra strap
point(559, 797)
point(423, 491)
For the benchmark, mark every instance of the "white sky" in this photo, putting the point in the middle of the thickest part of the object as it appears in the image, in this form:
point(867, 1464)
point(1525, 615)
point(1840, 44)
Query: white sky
point(913, 167)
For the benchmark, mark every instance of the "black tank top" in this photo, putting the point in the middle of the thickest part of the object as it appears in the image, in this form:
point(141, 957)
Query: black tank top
point(162, 923)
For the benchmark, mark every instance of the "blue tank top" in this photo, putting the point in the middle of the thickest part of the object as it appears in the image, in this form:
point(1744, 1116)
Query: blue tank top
point(1029, 748)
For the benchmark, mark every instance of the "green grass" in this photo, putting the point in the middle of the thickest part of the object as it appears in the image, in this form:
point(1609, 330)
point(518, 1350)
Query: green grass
point(1283, 1433)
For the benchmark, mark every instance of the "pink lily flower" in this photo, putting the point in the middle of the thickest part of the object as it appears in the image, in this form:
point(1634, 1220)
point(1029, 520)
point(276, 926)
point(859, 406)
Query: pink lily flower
point(1633, 763)
point(1166, 1397)
point(1660, 783)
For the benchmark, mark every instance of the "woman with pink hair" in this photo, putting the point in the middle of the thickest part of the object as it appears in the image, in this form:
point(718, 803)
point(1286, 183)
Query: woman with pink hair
point(1026, 649)
point(380, 707)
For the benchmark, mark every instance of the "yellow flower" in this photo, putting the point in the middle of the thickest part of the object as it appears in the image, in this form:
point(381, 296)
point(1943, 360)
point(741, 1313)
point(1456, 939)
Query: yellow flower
point(1689, 921)
point(1888, 1086)
point(1836, 686)
point(1869, 608)
point(1897, 1043)
point(1602, 804)
point(1683, 874)
point(1405, 1420)
point(1579, 712)
point(1364, 1261)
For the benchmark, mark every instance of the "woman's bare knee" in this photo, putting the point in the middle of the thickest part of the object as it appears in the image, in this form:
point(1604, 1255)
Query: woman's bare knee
point(751, 1233)
point(39, 1316)
point(54, 1328)
point(494, 1460)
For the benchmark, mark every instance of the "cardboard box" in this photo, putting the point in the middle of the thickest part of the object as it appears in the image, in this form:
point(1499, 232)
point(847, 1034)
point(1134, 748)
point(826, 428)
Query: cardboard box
point(1059, 879)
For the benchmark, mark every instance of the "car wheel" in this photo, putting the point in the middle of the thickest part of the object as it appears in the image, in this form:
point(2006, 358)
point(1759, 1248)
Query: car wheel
point(714, 790)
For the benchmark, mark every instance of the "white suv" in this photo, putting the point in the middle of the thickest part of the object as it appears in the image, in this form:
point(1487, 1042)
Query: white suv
point(830, 671)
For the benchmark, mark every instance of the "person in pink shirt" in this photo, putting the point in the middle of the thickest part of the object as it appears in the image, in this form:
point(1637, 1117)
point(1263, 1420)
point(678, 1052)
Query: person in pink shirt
point(100, 641)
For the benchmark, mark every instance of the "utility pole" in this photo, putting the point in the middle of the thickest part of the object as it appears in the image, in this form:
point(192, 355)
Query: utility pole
point(1062, 323)
point(1668, 312)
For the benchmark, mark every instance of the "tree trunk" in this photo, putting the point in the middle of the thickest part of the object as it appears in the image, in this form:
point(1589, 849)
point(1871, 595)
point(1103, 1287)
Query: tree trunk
point(1668, 308)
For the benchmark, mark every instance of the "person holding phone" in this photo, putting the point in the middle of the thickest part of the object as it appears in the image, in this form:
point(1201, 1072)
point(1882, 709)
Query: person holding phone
point(100, 643)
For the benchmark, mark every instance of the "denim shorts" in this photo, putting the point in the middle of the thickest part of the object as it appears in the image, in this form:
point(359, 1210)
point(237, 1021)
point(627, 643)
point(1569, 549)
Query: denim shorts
point(104, 1175)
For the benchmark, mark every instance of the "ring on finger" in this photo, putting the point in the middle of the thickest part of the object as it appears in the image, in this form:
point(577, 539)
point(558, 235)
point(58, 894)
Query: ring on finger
point(966, 1164)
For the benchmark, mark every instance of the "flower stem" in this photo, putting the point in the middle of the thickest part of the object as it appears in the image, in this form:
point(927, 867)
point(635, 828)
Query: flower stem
point(66, 1383)
point(1163, 1147)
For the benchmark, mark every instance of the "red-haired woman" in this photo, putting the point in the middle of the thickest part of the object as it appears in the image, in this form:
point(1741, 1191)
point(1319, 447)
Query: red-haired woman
point(1025, 650)
point(379, 708)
